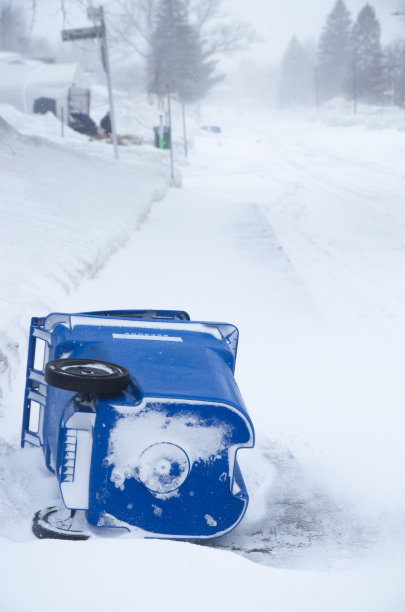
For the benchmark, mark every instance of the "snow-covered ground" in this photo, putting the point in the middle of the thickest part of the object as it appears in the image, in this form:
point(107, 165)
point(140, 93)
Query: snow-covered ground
point(295, 232)
point(342, 112)
point(66, 207)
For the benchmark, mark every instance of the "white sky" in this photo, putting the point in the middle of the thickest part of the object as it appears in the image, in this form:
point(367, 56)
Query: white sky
point(276, 22)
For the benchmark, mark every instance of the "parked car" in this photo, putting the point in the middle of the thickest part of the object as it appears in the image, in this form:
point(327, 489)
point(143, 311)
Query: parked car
point(139, 416)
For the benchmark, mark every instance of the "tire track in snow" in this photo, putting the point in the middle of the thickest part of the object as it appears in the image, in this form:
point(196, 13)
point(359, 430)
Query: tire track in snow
point(292, 211)
point(320, 168)
point(364, 186)
point(222, 255)
point(301, 524)
point(255, 236)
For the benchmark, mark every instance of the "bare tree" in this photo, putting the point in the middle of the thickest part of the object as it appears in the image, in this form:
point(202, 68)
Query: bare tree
point(217, 28)
point(131, 23)
point(67, 5)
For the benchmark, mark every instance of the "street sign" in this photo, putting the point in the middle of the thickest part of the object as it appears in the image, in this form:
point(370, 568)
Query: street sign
point(83, 33)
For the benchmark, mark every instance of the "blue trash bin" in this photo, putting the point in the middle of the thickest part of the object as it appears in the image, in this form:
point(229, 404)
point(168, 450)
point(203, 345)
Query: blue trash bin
point(140, 418)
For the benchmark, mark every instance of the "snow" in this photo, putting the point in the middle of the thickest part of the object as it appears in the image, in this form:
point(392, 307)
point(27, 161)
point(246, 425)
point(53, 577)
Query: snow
point(342, 112)
point(154, 325)
point(138, 448)
point(62, 222)
point(169, 576)
point(210, 520)
point(294, 231)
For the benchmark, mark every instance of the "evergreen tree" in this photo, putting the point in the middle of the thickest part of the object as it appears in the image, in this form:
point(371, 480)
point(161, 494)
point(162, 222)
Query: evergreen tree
point(176, 59)
point(196, 72)
point(165, 48)
point(335, 53)
point(297, 77)
point(368, 58)
point(13, 28)
point(394, 72)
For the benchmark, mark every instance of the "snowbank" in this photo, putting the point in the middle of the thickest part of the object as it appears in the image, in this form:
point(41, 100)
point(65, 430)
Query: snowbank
point(65, 209)
point(343, 113)
point(136, 114)
point(179, 577)
point(73, 207)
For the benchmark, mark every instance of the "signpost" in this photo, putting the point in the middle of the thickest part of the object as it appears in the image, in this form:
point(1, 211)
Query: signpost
point(185, 131)
point(82, 33)
point(169, 106)
point(98, 31)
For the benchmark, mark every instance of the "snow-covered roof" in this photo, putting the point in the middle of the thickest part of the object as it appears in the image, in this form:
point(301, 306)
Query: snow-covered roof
point(23, 80)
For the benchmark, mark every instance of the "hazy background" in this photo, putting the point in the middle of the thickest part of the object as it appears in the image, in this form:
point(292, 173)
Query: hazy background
point(252, 75)
point(290, 223)
point(275, 22)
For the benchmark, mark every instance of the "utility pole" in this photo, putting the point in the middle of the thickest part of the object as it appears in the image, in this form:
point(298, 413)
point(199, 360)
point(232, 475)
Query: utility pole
point(169, 108)
point(185, 131)
point(316, 81)
point(355, 84)
point(98, 13)
point(98, 31)
point(62, 122)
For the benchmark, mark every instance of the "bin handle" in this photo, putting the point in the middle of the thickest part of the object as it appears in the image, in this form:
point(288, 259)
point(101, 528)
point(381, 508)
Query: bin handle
point(177, 315)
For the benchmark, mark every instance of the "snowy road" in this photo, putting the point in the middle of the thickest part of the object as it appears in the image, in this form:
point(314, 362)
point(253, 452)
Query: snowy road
point(298, 237)
point(295, 232)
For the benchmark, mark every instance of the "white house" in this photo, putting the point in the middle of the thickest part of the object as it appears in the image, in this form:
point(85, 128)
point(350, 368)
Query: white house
point(35, 86)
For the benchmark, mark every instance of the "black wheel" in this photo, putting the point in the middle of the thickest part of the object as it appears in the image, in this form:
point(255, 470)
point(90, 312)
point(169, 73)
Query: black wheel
point(86, 375)
point(58, 523)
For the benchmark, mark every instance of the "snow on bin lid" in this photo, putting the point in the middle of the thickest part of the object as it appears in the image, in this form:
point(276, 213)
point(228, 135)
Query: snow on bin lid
point(220, 331)
point(145, 445)
point(202, 328)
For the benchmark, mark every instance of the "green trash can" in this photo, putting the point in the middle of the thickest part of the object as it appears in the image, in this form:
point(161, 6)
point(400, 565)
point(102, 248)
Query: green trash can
point(162, 137)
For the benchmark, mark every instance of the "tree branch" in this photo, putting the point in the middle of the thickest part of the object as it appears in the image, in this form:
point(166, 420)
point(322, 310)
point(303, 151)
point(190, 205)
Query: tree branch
point(132, 22)
point(228, 39)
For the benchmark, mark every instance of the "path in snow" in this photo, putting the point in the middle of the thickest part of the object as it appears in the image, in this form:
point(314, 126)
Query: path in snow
point(302, 247)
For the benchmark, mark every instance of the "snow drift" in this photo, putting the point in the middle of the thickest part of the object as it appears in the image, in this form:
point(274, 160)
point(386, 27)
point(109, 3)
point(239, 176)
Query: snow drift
point(64, 212)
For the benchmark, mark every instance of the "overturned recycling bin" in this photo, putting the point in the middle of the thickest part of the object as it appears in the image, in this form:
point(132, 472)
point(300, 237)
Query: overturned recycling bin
point(139, 416)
